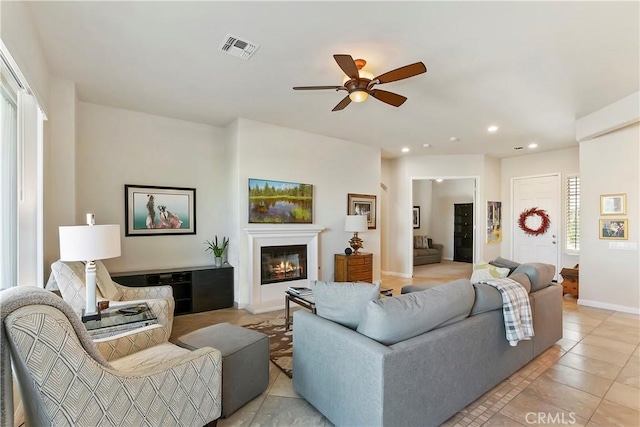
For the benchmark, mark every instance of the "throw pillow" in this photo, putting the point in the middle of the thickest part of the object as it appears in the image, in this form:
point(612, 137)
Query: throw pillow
point(486, 271)
point(395, 319)
point(429, 243)
point(420, 242)
point(505, 263)
point(105, 284)
point(343, 302)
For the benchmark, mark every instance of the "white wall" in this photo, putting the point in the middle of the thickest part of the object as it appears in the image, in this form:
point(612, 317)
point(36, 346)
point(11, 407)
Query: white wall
point(271, 152)
point(422, 197)
point(609, 277)
point(563, 162)
point(491, 192)
point(117, 147)
point(445, 195)
point(20, 37)
point(59, 167)
point(403, 171)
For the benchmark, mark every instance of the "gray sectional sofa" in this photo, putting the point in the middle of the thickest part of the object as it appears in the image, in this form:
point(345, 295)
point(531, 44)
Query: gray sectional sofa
point(392, 380)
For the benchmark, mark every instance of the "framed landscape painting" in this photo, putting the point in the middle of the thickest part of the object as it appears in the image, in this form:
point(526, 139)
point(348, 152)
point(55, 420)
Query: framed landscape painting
point(156, 211)
point(363, 204)
point(280, 202)
point(416, 217)
point(494, 222)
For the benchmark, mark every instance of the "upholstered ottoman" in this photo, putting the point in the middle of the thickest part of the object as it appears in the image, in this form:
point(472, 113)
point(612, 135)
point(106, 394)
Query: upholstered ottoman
point(245, 361)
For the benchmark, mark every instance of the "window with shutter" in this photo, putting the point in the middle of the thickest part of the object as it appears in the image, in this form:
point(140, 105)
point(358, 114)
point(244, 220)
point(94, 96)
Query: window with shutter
point(573, 213)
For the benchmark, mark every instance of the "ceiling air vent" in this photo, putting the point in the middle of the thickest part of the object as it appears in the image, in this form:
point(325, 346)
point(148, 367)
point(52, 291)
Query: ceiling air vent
point(237, 47)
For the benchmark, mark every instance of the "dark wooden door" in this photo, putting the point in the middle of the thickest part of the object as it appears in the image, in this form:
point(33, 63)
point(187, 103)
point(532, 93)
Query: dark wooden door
point(463, 232)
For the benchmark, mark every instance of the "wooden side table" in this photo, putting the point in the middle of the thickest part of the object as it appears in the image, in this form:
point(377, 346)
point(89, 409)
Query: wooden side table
point(353, 268)
point(570, 282)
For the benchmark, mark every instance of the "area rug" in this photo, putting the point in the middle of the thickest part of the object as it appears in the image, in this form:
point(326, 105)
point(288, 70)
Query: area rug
point(280, 343)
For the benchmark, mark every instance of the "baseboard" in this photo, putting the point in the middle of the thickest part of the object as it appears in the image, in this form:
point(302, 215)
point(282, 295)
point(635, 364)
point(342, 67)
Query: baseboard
point(606, 306)
point(395, 274)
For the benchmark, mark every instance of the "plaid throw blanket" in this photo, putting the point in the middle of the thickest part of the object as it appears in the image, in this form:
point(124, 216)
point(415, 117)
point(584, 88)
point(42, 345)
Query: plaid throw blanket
point(518, 322)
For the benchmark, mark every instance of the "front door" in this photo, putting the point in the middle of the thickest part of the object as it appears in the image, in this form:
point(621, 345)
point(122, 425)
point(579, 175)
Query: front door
point(541, 192)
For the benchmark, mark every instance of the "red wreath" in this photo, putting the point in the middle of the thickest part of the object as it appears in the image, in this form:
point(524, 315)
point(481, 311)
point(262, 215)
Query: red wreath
point(544, 226)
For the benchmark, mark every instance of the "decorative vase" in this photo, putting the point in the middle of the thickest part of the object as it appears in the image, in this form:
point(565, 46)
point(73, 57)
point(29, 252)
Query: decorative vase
point(218, 261)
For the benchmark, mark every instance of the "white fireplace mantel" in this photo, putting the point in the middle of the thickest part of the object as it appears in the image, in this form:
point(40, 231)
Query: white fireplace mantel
point(264, 298)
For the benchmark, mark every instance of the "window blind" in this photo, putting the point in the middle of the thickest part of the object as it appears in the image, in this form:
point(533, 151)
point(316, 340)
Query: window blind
point(573, 213)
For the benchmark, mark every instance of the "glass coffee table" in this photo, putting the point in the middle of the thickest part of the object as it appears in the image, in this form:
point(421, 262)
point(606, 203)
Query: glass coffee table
point(308, 301)
point(119, 319)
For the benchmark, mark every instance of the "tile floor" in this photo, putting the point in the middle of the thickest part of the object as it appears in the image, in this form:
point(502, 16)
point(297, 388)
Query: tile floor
point(591, 377)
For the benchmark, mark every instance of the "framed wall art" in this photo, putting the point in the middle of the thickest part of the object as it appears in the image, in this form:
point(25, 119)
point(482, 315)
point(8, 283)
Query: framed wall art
point(363, 204)
point(157, 211)
point(416, 217)
point(613, 204)
point(280, 202)
point(494, 222)
point(614, 229)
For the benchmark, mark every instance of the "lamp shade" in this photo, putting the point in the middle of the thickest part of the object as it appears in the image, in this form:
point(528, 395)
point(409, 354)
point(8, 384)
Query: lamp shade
point(89, 242)
point(355, 223)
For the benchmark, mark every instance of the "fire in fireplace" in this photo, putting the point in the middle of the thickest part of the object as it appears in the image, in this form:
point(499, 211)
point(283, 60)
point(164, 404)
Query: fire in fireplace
point(283, 263)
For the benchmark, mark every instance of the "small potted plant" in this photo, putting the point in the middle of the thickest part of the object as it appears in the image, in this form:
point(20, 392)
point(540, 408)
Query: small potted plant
point(216, 249)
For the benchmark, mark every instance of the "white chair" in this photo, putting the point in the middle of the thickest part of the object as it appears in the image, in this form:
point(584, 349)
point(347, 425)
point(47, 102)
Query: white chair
point(69, 278)
point(64, 380)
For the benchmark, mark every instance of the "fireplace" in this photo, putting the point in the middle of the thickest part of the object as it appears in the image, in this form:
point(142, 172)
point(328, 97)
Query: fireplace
point(283, 263)
point(281, 244)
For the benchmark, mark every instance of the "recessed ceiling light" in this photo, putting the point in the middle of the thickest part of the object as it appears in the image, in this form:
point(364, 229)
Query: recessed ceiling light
point(492, 128)
point(439, 180)
point(532, 145)
point(426, 145)
point(454, 139)
point(405, 150)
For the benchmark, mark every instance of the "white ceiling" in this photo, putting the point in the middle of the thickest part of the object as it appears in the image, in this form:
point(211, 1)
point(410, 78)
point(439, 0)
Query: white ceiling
point(532, 68)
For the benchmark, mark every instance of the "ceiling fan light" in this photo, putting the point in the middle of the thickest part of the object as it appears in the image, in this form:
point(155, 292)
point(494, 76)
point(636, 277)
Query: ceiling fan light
point(364, 74)
point(358, 96)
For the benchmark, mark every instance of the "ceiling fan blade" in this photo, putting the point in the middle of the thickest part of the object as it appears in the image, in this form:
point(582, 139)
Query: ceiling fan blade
point(402, 73)
point(348, 65)
point(388, 97)
point(342, 104)
point(317, 87)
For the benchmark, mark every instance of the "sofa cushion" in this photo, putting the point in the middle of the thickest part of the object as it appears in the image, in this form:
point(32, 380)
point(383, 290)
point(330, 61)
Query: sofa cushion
point(488, 298)
point(343, 302)
point(523, 279)
point(420, 242)
point(486, 271)
point(539, 274)
point(395, 319)
point(505, 263)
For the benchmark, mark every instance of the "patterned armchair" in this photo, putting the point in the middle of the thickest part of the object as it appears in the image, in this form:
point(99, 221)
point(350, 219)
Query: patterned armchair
point(69, 278)
point(64, 380)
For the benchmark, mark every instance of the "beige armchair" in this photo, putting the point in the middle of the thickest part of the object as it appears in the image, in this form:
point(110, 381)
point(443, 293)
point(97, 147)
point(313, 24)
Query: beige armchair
point(64, 379)
point(69, 278)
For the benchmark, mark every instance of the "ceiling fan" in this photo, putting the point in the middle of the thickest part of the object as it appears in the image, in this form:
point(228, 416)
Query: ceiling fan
point(360, 83)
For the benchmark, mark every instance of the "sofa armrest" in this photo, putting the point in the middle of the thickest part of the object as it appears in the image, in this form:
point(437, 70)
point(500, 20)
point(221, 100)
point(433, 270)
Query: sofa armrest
point(357, 378)
point(438, 246)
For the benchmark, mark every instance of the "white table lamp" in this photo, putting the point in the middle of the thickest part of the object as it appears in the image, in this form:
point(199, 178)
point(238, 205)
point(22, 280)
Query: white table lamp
point(89, 243)
point(355, 224)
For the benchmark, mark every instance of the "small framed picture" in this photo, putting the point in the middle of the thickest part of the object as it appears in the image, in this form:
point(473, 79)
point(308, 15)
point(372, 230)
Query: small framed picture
point(416, 217)
point(613, 204)
point(614, 229)
point(363, 204)
point(155, 211)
